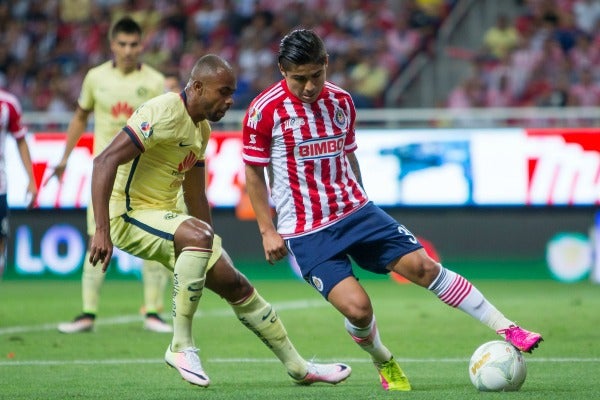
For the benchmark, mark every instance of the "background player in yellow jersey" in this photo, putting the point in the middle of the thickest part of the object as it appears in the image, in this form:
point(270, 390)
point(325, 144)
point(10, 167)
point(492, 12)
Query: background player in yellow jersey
point(136, 183)
point(112, 91)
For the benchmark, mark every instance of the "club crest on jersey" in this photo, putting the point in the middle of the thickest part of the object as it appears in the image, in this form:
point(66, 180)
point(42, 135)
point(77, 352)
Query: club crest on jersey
point(293, 123)
point(254, 115)
point(339, 118)
point(142, 92)
point(317, 283)
point(320, 147)
point(146, 129)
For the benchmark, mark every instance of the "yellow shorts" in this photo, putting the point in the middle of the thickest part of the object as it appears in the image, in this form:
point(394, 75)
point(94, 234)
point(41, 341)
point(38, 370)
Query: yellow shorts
point(149, 234)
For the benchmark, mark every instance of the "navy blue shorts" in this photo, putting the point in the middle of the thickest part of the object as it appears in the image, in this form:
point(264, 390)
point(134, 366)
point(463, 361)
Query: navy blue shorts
point(4, 228)
point(369, 236)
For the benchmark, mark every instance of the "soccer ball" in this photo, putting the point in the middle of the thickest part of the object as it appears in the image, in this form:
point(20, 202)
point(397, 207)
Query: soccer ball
point(497, 366)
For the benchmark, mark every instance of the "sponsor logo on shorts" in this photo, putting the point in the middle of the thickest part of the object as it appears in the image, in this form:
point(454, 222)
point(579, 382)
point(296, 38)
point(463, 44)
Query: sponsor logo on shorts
point(317, 283)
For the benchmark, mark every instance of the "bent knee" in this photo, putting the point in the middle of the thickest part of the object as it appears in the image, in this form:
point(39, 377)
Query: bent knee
point(194, 233)
point(358, 314)
point(417, 267)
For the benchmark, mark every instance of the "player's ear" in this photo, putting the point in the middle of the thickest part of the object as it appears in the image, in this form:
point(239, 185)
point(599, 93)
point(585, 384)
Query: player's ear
point(281, 69)
point(199, 87)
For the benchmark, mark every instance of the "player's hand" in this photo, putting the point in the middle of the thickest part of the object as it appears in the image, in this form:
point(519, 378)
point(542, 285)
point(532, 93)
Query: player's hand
point(101, 249)
point(58, 172)
point(274, 247)
point(31, 196)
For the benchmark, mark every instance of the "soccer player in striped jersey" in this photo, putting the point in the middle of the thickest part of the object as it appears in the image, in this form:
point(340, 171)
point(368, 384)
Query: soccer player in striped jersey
point(11, 124)
point(301, 130)
point(112, 91)
point(141, 174)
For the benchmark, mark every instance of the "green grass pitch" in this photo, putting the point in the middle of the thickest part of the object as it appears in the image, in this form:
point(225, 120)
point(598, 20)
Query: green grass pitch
point(432, 342)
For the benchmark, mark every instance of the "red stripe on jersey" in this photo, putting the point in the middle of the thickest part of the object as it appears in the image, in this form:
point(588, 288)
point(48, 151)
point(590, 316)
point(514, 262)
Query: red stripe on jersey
point(311, 181)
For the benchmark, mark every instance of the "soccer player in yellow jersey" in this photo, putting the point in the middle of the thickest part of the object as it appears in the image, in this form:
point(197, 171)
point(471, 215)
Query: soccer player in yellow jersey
point(112, 91)
point(136, 183)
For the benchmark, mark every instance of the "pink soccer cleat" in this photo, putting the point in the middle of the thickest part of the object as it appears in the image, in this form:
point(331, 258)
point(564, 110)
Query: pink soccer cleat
point(155, 323)
point(520, 338)
point(326, 373)
point(82, 323)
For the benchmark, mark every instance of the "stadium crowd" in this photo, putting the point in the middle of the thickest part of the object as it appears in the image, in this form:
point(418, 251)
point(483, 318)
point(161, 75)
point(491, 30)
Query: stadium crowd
point(47, 47)
point(548, 56)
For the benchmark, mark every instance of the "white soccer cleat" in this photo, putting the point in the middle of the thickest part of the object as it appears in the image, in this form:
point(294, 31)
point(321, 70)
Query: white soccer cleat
point(188, 364)
point(326, 373)
point(82, 323)
point(154, 323)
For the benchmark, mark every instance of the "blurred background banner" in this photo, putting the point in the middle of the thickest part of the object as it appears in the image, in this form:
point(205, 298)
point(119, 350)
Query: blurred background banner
point(490, 200)
point(400, 167)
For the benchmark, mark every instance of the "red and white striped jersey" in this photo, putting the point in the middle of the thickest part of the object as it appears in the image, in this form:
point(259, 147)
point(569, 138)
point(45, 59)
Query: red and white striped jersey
point(10, 123)
point(304, 148)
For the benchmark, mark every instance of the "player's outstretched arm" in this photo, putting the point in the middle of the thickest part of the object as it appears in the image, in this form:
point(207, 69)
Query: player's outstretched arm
point(120, 151)
point(75, 129)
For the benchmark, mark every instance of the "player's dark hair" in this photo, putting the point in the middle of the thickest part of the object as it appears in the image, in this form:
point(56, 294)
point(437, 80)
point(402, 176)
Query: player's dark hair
point(301, 47)
point(125, 25)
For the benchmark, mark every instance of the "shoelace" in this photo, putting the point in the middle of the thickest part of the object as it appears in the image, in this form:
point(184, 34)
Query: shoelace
point(321, 369)
point(391, 371)
point(191, 355)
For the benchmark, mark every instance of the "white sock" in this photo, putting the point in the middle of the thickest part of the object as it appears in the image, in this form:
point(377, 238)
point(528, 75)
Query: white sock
point(260, 317)
point(92, 279)
point(155, 279)
point(189, 276)
point(368, 339)
point(458, 292)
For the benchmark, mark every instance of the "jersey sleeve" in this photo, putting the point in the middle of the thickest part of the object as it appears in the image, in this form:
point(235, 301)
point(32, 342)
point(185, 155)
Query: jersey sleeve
point(86, 96)
point(144, 126)
point(257, 132)
point(15, 125)
point(350, 144)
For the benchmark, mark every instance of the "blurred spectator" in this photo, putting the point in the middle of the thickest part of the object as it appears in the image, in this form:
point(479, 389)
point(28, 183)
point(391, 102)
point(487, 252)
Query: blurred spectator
point(206, 19)
point(75, 10)
point(368, 79)
point(173, 83)
point(402, 40)
point(584, 54)
point(587, 14)
point(566, 32)
point(501, 38)
point(553, 60)
point(558, 95)
point(500, 94)
point(68, 36)
point(585, 92)
point(522, 62)
point(470, 93)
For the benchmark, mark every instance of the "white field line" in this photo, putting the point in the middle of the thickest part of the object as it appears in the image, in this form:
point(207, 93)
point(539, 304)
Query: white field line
point(128, 319)
point(132, 361)
point(291, 305)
